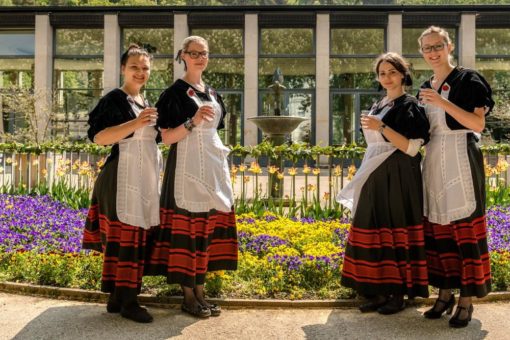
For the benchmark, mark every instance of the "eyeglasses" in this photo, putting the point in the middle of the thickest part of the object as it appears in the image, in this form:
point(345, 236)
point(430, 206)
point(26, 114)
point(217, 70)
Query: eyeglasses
point(195, 54)
point(436, 48)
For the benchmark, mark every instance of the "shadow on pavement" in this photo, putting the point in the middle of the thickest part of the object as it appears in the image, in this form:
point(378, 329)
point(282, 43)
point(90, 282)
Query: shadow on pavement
point(408, 324)
point(93, 322)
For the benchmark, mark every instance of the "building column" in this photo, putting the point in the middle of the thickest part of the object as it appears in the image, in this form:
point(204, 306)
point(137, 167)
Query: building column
point(181, 32)
point(394, 33)
point(467, 40)
point(322, 115)
point(251, 67)
point(43, 69)
point(112, 53)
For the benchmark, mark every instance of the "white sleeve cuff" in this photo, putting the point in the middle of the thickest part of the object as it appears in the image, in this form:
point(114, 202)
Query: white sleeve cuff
point(414, 146)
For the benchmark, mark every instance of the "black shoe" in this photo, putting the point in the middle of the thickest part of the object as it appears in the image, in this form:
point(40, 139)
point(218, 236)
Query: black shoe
point(113, 305)
point(457, 322)
point(434, 313)
point(196, 310)
point(393, 306)
point(136, 313)
point(373, 304)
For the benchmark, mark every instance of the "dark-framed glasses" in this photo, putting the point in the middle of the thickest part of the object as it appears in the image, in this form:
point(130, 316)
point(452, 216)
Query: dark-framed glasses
point(436, 48)
point(196, 54)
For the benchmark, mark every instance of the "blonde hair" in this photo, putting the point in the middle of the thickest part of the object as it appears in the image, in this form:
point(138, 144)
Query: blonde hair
point(438, 30)
point(185, 44)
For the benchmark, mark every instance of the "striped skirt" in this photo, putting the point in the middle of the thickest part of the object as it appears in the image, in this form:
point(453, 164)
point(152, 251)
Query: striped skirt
point(123, 246)
point(457, 253)
point(385, 252)
point(187, 245)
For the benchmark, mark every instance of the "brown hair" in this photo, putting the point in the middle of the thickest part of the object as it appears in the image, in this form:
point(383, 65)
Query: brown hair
point(185, 44)
point(134, 50)
point(398, 62)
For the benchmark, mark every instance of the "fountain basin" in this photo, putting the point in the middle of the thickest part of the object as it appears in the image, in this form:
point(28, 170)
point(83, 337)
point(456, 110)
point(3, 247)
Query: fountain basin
point(276, 127)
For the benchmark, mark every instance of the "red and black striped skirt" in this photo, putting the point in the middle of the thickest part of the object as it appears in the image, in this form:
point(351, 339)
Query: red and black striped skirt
point(188, 245)
point(124, 247)
point(385, 252)
point(457, 253)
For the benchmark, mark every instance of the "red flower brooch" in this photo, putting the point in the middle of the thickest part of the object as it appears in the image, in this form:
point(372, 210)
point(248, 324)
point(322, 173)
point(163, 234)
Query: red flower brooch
point(190, 92)
point(445, 87)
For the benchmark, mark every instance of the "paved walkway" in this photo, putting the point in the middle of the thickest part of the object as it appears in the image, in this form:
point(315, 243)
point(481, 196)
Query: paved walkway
point(23, 317)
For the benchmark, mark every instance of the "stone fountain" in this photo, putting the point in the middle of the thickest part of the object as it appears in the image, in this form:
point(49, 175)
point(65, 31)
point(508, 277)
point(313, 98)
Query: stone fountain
point(277, 127)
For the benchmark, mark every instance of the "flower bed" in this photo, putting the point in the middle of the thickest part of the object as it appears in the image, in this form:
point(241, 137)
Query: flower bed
point(40, 242)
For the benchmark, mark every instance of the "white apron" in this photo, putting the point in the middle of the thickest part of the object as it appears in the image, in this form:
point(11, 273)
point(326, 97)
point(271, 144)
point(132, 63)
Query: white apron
point(138, 176)
point(447, 183)
point(378, 150)
point(202, 177)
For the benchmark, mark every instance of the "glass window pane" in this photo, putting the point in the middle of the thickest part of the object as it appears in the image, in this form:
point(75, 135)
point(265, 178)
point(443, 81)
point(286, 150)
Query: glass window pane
point(493, 41)
point(497, 73)
point(16, 73)
point(17, 43)
point(79, 42)
point(161, 74)
point(222, 41)
point(158, 41)
point(79, 85)
point(297, 72)
point(286, 41)
point(347, 41)
point(231, 134)
point(352, 73)
point(225, 73)
point(342, 118)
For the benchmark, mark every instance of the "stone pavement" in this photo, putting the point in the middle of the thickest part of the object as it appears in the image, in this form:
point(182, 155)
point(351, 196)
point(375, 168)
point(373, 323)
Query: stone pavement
point(24, 317)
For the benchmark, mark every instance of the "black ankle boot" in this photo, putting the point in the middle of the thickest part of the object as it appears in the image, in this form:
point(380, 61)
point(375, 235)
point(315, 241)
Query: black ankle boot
point(113, 305)
point(395, 304)
point(136, 313)
point(371, 305)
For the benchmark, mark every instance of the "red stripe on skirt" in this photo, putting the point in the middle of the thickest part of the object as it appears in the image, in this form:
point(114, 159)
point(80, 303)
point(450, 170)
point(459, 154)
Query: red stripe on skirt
point(472, 271)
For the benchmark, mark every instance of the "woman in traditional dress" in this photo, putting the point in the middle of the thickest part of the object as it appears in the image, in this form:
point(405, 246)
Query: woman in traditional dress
point(456, 102)
point(385, 254)
point(198, 227)
point(126, 193)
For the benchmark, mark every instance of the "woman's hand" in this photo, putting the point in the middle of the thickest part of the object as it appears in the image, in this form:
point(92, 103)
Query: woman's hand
point(430, 96)
point(147, 117)
point(204, 112)
point(371, 123)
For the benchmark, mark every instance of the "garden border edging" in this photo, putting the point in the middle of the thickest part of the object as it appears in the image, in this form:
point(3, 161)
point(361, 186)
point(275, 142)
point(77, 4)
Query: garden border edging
point(175, 301)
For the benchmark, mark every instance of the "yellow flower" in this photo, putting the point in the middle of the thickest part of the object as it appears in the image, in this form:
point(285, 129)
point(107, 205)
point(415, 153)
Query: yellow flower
point(100, 162)
point(337, 171)
point(501, 166)
point(255, 168)
point(246, 179)
point(292, 171)
point(272, 169)
point(326, 196)
point(310, 187)
point(233, 170)
point(279, 175)
point(44, 172)
point(316, 171)
point(35, 162)
point(8, 160)
point(242, 167)
point(351, 172)
point(306, 169)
